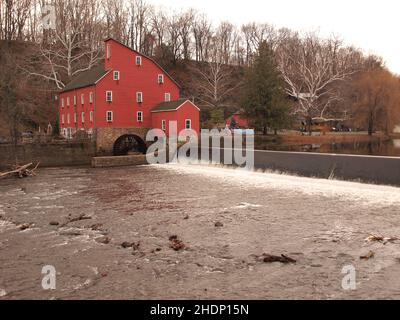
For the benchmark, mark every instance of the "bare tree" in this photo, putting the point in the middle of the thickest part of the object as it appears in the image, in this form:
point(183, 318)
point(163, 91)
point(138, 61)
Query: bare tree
point(213, 79)
point(13, 18)
point(202, 32)
point(312, 67)
point(185, 23)
point(74, 46)
point(140, 18)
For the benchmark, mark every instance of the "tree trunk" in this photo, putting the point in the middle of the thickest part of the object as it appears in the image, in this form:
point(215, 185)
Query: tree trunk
point(370, 124)
point(309, 125)
point(265, 130)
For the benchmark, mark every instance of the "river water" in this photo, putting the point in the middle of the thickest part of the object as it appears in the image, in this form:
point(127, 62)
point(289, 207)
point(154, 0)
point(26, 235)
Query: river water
point(322, 224)
point(375, 148)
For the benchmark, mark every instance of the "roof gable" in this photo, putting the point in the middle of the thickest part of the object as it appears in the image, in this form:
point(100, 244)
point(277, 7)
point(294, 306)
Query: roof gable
point(86, 79)
point(172, 105)
point(145, 56)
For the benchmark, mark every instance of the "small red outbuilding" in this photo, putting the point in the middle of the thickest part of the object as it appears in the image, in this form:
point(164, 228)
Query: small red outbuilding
point(184, 112)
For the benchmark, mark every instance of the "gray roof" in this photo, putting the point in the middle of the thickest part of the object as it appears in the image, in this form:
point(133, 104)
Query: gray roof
point(169, 106)
point(86, 78)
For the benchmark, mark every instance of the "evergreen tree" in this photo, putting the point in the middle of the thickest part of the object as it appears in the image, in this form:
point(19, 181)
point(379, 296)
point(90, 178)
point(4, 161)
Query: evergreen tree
point(233, 123)
point(264, 99)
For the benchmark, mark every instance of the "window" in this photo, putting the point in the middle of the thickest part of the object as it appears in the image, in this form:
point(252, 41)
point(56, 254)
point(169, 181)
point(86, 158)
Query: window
point(139, 97)
point(116, 75)
point(75, 118)
point(82, 98)
point(138, 60)
point(91, 116)
point(188, 124)
point(163, 125)
point(83, 117)
point(160, 78)
point(74, 100)
point(68, 101)
point(108, 51)
point(109, 96)
point(91, 97)
point(68, 119)
point(167, 97)
point(62, 103)
point(140, 116)
point(109, 116)
point(62, 119)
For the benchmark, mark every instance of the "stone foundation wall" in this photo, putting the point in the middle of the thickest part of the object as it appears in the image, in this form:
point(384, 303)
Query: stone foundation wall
point(106, 137)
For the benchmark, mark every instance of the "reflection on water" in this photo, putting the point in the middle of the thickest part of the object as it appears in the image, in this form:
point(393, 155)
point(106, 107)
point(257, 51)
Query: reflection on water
point(375, 148)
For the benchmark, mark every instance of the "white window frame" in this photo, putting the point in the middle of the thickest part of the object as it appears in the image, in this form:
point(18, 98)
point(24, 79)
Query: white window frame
point(91, 116)
point(138, 60)
point(91, 97)
point(62, 103)
point(75, 100)
point(83, 117)
point(75, 118)
point(116, 75)
point(111, 96)
point(68, 101)
point(141, 116)
point(82, 98)
point(160, 79)
point(112, 116)
point(163, 125)
point(190, 124)
point(62, 119)
point(139, 93)
point(167, 97)
point(68, 119)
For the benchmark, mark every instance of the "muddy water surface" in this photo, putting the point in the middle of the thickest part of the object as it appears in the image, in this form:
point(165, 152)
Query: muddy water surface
point(77, 219)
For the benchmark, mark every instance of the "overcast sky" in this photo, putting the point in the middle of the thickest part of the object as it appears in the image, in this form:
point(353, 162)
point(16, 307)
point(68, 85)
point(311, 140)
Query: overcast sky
point(372, 25)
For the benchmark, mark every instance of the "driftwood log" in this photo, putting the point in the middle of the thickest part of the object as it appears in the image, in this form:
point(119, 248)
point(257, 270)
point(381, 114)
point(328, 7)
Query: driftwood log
point(20, 171)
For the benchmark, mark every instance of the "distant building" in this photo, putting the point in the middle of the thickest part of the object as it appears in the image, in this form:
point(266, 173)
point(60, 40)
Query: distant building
point(240, 120)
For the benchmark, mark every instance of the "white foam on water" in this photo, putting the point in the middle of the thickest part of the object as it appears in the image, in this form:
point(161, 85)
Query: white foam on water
point(361, 193)
point(245, 205)
point(6, 225)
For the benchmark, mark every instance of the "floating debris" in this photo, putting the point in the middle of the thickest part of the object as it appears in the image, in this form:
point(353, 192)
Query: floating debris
point(219, 224)
point(20, 172)
point(54, 223)
point(103, 240)
point(382, 239)
point(133, 245)
point(176, 243)
point(268, 258)
point(368, 256)
point(26, 226)
point(80, 218)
